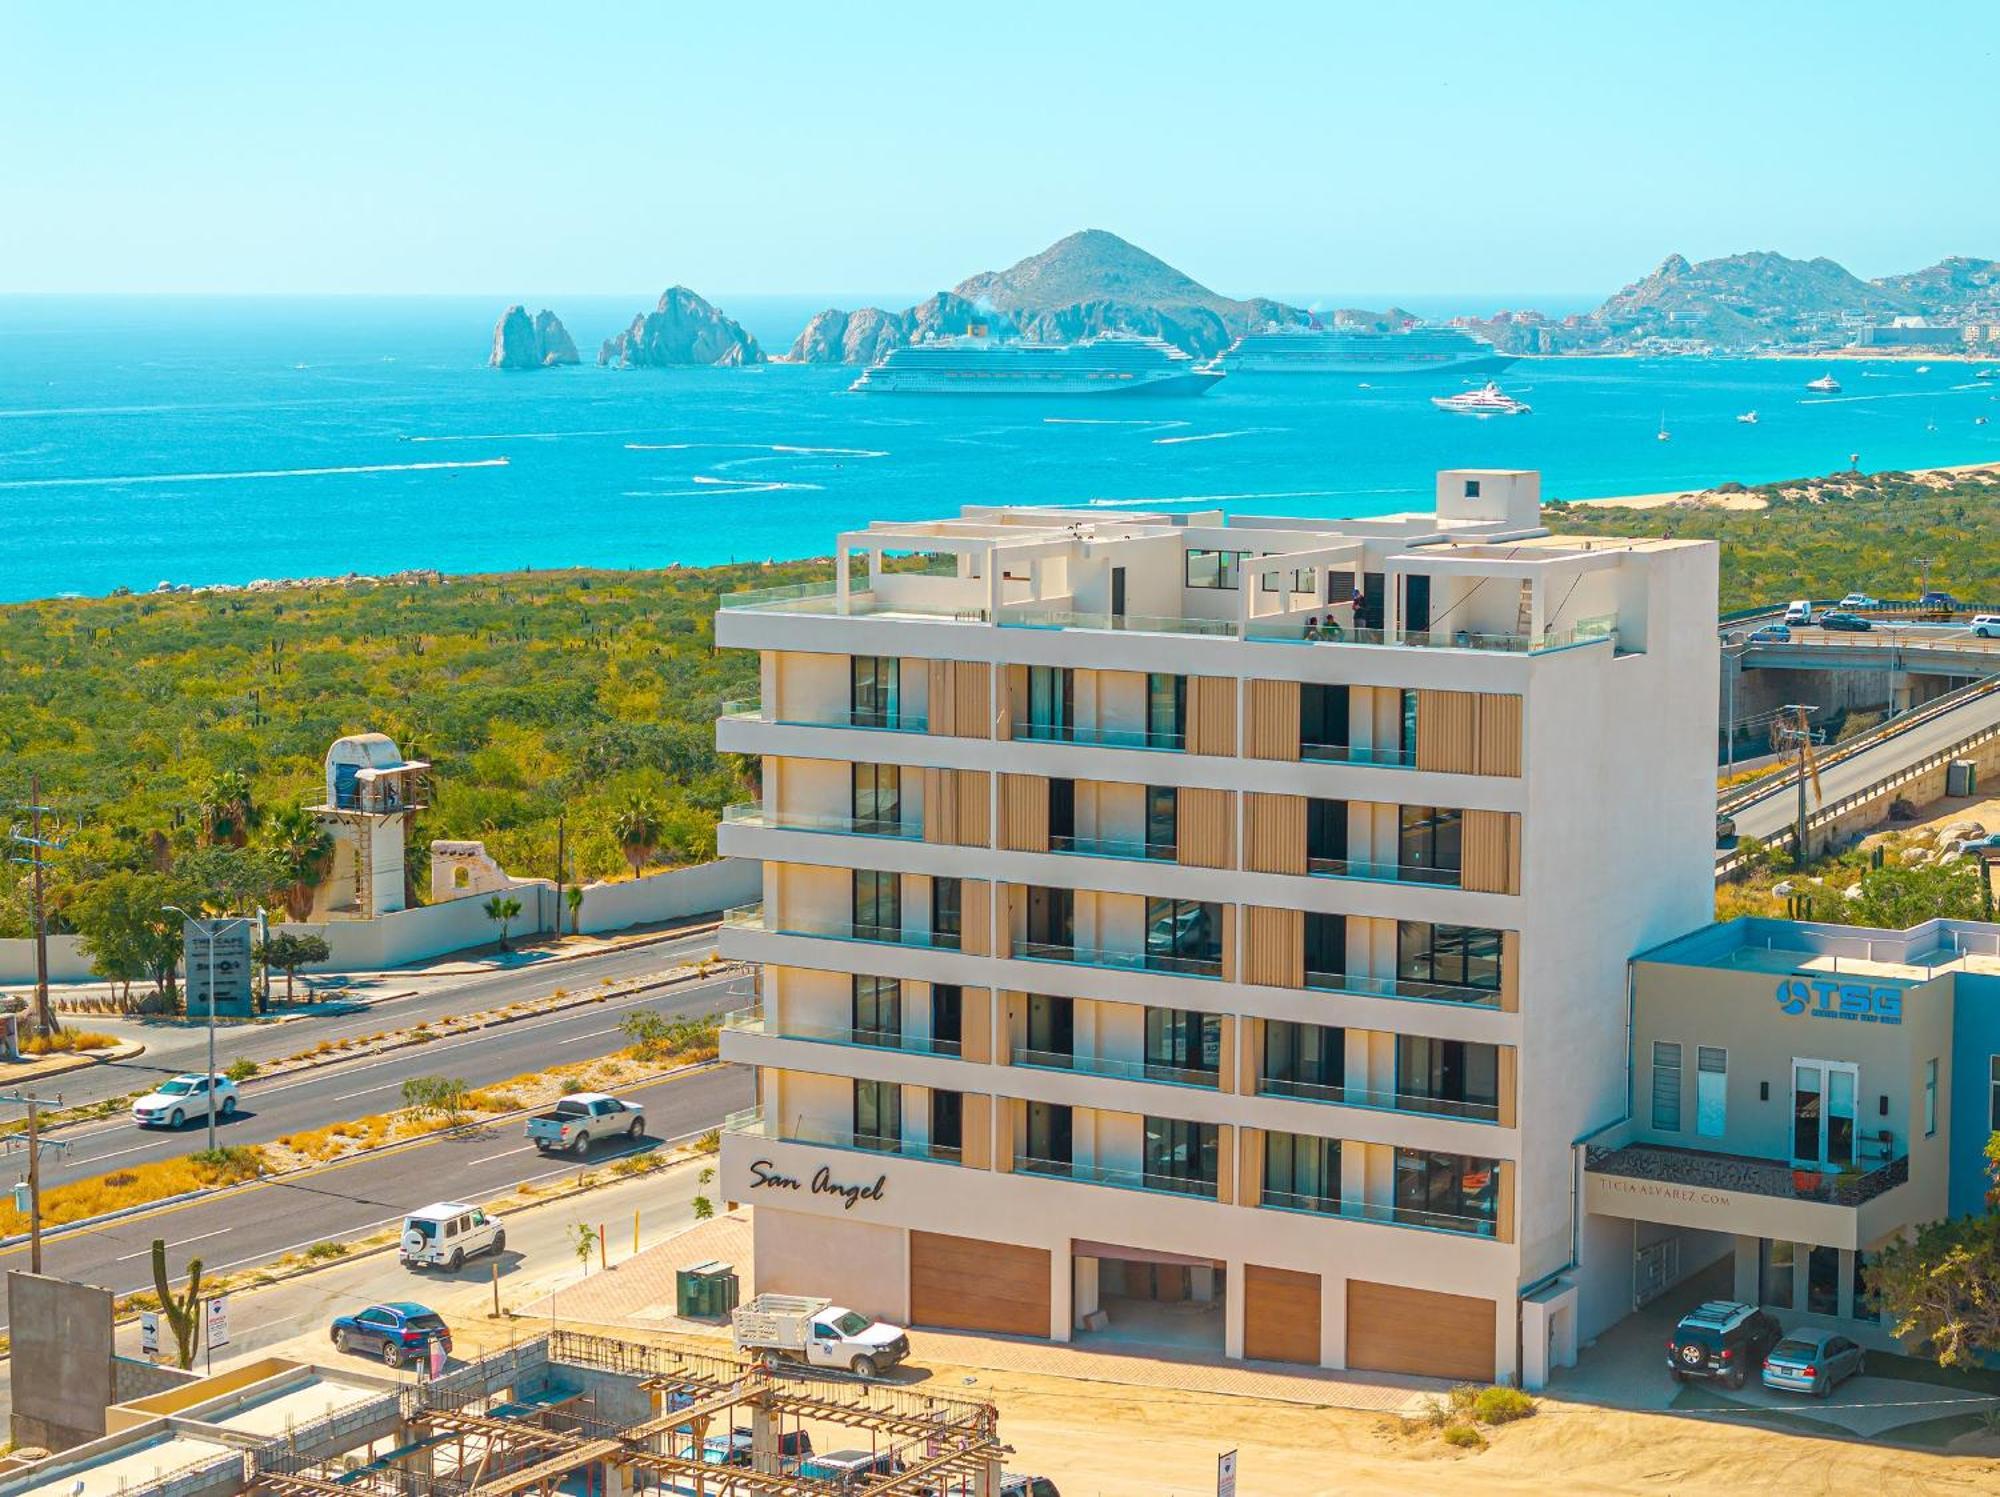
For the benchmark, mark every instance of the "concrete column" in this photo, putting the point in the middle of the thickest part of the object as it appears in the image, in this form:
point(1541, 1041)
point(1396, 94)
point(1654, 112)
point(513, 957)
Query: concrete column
point(1232, 1308)
point(1747, 1252)
point(1333, 1315)
point(1845, 1287)
point(617, 1480)
point(1801, 1273)
point(1087, 1295)
point(764, 1454)
point(1062, 1312)
point(842, 592)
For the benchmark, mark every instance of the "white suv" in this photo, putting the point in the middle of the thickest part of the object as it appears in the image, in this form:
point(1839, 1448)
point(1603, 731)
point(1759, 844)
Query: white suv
point(174, 1102)
point(1986, 625)
point(446, 1234)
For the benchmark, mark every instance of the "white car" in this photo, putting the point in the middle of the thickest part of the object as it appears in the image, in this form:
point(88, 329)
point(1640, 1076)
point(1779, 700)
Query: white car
point(446, 1234)
point(1860, 600)
point(1986, 625)
point(1799, 611)
point(184, 1098)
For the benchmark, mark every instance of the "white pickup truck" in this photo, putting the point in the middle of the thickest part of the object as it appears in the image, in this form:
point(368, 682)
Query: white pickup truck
point(582, 1117)
point(818, 1332)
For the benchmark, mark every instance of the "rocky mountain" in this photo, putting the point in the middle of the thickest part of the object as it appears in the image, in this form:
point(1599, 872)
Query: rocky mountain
point(1742, 300)
point(682, 329)
point(1092, 282)
point(524, 342)
point(1956, 287)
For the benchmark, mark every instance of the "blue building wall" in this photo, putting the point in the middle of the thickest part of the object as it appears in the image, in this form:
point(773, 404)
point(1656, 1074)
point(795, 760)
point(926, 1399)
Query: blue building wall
point(1975, 1041)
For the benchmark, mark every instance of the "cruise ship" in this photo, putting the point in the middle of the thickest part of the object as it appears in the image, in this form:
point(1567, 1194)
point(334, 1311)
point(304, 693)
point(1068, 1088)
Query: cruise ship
point(1112, 364)
point(1436, 351)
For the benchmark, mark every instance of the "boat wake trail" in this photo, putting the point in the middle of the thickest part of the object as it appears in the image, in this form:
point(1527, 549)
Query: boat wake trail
point(1214, 436)
point(728, 485)
point(66, 483)
point(1110, 421)
point(531, 436)
point(780, 447)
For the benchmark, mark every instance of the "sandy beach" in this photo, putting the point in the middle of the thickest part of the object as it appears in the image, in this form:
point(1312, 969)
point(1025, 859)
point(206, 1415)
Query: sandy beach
point(1712, 499)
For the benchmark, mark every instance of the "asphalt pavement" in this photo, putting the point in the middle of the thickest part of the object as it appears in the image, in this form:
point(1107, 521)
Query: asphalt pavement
point(344, 1200)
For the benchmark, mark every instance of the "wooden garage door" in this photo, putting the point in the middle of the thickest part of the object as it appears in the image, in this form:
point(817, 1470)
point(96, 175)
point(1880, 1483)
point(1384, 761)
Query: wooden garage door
point(1280, 1315)
point(1391, 1329)
point(965, 1285)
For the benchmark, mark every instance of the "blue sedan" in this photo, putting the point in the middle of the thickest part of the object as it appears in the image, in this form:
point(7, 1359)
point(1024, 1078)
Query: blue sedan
point(1814, 1362)
point(397, 1333)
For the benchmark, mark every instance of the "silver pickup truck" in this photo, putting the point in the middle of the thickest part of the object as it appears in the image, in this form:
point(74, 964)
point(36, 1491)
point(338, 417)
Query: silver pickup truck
point(582, 1117)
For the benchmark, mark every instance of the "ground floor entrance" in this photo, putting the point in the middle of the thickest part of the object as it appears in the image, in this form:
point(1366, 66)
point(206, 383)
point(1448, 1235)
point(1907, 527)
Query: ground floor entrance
point(1138, 1295)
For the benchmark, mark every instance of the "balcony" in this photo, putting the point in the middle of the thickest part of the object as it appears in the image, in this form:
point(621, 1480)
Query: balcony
point(819, 600)
point(1386, 1214)
point(753, 815)
point(753, 917)
point(1588, 632)
point(1348, 753)
point(1124, 1070)
point(1378, 1099)
point(1136, 850)
point(1383, 873)
point(752, 1123)
point(1122, 961)
point(755, 1021)
point(1757, 1197)
point(869, 719)
point(1124, 738)
point(1117, 1179)
point(1123, 623)
point(1407, 989)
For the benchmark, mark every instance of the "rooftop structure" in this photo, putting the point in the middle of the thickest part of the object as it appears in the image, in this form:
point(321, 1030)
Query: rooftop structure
point(372, 795)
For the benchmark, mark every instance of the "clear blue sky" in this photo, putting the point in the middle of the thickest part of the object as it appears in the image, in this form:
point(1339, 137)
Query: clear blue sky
point(779, 146)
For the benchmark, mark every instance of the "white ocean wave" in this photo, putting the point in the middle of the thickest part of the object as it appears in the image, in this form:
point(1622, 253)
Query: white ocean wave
point(64, 483)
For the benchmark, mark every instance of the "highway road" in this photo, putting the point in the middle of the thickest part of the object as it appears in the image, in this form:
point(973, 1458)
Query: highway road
point(345, 1200)
point(332, 1094)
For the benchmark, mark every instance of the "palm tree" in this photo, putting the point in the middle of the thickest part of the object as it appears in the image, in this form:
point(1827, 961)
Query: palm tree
point(573, 897)
point(502, 910)
point(227, 812)
point(638, 829)
point(305, 848)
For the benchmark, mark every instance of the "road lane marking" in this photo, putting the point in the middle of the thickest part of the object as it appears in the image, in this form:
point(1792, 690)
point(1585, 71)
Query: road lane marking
point(594, 1034)
point(385, 1086)
point(184, 1242)
point(503, 1154)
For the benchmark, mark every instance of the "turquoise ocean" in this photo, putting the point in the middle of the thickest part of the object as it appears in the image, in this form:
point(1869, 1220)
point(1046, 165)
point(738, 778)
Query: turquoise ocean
point(217, 440)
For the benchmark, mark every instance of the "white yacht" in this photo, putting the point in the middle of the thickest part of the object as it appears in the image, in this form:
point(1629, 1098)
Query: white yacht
point(1486, 401)
point(1748, 418)
point(1826, 384)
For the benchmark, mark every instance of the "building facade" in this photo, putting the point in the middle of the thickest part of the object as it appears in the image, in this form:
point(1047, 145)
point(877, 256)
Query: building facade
point(1212, 931)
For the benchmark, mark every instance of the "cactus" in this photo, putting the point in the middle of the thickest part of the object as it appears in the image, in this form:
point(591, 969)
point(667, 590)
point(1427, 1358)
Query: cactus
point(183, 1312)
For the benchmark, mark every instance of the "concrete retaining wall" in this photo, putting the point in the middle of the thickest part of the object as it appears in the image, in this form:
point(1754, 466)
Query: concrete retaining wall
point(61, 1357)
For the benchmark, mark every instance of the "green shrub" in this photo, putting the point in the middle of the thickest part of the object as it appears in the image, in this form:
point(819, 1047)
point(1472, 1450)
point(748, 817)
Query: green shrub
point(1501, 1405)
point(241, 1070)
point(1464, 1436)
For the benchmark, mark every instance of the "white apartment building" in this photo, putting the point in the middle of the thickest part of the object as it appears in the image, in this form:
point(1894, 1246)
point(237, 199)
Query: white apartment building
point(1209, 931)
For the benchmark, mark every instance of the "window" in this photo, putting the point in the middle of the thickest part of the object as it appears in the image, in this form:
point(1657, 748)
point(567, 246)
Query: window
point(878, 1114)
point(878, 798)
point(1460, 1078)
point(1166, 711)
point(1406, 738)
point(1302, 1172)
point(1930, 1098)
point(1322, 718)
point(1163, 833)
point(1051, 1029)
point(1326, 948)
point(1460, 956)
point(1051, 920)
point(1062, 813)
point(1326, 836)
point(1429, 846)
point(1472, 488)
point(1181, 932)
point(875, 691)
point(1180, 1041)
point(1051, 701)
point(1711, 1090)
point(1302, 584)
point(948, 1123)
point(1304, 1060)
point(1180, 1156)
point(1666, 1086)
point(878, 905)
point(1214, 569)
point(1050, 1136)
point(877, 1008)
point(947, 912)
point(1452, 1192)
point(947, 1017)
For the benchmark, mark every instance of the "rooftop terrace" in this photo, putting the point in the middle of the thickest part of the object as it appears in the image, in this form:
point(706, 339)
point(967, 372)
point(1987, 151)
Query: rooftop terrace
point(1807, 947)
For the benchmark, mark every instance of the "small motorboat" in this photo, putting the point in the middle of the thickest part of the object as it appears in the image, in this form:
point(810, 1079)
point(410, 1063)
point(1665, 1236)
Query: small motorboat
point(1748, 418)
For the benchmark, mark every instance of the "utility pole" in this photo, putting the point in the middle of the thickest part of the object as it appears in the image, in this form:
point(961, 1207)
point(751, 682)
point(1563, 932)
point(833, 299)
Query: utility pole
point(36, 1144)
point(562, 818)
point(1797, 734)
point(38, 847)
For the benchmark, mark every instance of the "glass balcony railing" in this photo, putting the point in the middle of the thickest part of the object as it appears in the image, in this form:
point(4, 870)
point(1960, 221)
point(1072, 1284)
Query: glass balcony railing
point(751, 814)
point(819, 600)
point(755, 917)
point(755, 1021)
point(1124, 623)
point(1405, 988)
point(874, 719)
point(1118, 1179)
point(1126, 1070)
point(1124, 961)
point(1097, 737)
point(1383, 873)
point(752, 1123)
point(1133, 849)
point(1388, 1214)
point(1378, 1099)
point(1347, 753)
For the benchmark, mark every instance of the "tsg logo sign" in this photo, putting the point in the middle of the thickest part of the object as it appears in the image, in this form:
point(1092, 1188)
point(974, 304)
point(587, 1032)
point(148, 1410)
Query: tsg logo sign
point(1856, 1001)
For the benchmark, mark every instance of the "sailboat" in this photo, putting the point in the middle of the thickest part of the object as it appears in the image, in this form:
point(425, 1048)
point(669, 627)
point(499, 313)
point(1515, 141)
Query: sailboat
point(1663, 435)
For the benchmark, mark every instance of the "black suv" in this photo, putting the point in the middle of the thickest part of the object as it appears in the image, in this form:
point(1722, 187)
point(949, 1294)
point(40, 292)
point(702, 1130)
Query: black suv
point(1723, 1341)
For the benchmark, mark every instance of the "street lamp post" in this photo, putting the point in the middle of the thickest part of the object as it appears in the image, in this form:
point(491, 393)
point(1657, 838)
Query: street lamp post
point(209, 929)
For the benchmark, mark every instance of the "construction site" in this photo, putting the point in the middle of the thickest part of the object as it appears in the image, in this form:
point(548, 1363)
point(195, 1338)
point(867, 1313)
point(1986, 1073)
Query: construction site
point(593, 1416)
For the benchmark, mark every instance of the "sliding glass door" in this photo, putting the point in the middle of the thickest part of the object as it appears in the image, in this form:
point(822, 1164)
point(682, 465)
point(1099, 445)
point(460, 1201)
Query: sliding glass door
point(1823, 1099)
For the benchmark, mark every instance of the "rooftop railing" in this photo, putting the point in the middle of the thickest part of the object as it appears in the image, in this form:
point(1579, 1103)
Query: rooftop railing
point(819, 600)
point(1127, 623)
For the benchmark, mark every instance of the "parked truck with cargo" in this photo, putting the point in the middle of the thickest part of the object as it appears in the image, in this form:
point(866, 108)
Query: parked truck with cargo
point(800, 1328)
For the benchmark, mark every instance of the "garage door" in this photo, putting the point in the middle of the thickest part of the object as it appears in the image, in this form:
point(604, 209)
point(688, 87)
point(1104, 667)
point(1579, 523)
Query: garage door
point(1392, 1329)
point(1280, 1315)
point(963, 1284)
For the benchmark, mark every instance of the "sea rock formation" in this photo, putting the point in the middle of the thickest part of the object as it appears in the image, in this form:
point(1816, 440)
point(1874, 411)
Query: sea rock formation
point(682, 329)
point(524, 342)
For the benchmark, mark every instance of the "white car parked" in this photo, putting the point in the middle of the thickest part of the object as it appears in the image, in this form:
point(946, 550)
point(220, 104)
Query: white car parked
point(1986, 625)
point(446, 1234)
point(185, 1098)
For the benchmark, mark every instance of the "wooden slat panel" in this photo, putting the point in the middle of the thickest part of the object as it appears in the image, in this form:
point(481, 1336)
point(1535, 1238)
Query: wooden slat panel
point(1488, 852)
point(1499, 734)
point(976, 1122)
point(1510, 971)
point(973, 706)
point(974, 812)
point(1447, 730)
point(1225, 1068)
point(1013, 703)
point(964, 1284)
point(1420, 1331)
point(1503, 1224)
point(1274, 832)
point(975, 1027)
point(974, 915)
point(940, 805)
point(1281, 1315)
point(1203, 830)
point(1249, 1166)
point(1225, 1165)
point(1228, 973)
point(1509, 1083)
point(943, 688)
point(1274, 720)
point(1247, 1056)
point(1275, 947)
point(1024, 813)
point(1211, 715)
